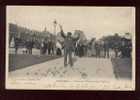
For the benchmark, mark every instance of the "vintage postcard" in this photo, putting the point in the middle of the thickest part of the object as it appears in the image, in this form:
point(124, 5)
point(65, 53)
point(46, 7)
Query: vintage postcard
point(70, 48)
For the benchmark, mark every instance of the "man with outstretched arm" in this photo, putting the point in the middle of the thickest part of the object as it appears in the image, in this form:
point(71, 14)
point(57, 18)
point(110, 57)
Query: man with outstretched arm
point(68, 46)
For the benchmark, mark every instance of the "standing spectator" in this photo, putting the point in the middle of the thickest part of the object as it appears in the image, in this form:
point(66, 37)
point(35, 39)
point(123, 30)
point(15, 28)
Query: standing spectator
point(126, 48)
point(77, 48)
point(49, 47)
point(98, 49)
point(41, 47)
point(116, 49)
point(44, 47)
point(93, 51)
point(106, 49)
point(89, 50)
point(31, 46)
point(81, 51)
point(52, 47)
point(16, 40)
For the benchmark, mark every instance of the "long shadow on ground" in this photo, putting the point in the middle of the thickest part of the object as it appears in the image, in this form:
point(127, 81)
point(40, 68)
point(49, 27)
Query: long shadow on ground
point(24, 60)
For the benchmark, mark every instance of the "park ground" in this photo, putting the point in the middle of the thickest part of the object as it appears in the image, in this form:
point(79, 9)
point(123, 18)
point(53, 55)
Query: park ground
point(85, 67)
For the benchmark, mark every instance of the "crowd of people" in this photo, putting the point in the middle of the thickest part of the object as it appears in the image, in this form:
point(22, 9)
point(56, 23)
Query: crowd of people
point(100, 48)
point(95, 48)
point(73, 45)
point(45, 46)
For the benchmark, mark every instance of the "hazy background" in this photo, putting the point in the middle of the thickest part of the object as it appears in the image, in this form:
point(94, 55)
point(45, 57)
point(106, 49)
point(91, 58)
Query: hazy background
point(94, 21)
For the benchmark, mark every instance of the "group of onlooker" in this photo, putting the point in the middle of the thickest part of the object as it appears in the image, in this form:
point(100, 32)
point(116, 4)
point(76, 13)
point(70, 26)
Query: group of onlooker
point(47, 47)
point(104, 49)
point(96, 48)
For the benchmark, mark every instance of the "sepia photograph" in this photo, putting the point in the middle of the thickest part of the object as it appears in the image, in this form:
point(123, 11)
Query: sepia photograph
point(70, 48)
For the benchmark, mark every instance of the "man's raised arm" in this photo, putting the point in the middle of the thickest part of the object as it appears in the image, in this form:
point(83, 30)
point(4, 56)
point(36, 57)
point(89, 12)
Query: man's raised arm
point(61, 31)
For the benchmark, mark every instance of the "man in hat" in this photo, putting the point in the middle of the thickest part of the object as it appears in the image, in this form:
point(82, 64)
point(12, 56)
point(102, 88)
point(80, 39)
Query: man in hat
point(68, 46)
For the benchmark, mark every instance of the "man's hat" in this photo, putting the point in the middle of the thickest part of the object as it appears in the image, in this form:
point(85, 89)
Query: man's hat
point(69, 33)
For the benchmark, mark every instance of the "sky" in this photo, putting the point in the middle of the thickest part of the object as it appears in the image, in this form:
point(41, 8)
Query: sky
point(93, 21)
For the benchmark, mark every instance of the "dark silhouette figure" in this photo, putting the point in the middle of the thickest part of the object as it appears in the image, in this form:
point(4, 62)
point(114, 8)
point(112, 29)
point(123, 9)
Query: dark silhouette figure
point(106, 49)
point(16, 40)
point(50, 47)
point(98, 49)
point(29, 45)
point(58, 52)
